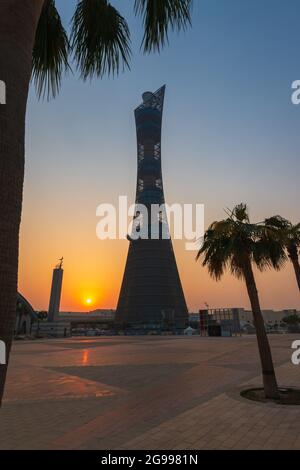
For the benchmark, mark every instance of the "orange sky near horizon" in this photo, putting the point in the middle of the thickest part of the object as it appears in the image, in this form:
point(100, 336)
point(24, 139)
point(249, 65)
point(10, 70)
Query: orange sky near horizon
point(93, 269)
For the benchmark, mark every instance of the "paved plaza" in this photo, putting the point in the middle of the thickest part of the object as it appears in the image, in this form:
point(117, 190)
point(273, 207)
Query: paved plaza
point(145, 393)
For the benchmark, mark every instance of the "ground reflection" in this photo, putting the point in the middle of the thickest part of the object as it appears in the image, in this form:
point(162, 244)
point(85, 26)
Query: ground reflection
point(85, 357)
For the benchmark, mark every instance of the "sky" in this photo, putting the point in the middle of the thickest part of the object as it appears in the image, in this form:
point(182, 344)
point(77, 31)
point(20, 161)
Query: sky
point(230, 135)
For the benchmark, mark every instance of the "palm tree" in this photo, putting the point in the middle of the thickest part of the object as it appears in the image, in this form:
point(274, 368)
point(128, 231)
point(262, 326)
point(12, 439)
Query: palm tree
point(34, 43)
point(290, 235)
point(236, 244)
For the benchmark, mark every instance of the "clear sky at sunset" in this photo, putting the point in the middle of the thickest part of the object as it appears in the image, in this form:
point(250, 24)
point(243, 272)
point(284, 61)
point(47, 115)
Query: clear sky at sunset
point(230, 134)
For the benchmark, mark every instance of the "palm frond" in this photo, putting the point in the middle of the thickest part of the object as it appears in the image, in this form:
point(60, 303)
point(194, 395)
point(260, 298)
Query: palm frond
point(268, 252)
point(50, 52)
point(160, 16)
point(100, 39)
point(278, 222)
point(234, 242)
point(295, 234)
point(240, 213)
point(286, 231)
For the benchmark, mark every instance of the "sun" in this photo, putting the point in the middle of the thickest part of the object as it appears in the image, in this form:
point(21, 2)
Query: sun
point(88, 301)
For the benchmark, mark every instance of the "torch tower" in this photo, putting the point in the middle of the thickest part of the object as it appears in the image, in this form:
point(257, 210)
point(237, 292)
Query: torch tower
point(151, 295)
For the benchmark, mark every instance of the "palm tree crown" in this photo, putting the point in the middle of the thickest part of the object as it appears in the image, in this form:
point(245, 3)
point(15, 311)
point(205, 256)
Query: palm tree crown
point(99, 42)
point(231, 243)
point(289, 235)
point(287, 231)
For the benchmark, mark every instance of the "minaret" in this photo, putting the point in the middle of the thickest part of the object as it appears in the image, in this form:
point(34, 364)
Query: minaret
point(151, 294)
point(56, 286)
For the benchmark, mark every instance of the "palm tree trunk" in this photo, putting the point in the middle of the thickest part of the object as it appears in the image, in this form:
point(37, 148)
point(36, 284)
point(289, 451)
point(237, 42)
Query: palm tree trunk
point(293, 255)
point(18, 22)
point(268, 373)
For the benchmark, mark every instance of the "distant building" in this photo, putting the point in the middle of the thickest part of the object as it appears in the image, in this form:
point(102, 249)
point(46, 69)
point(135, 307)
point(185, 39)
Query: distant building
point(56, 329)
point(220, 322)
point(53, 327)
point(25, 316)
point(194, 318)
point(271, 317)
point(55, 294)
point(99, 317)
point(233, 320)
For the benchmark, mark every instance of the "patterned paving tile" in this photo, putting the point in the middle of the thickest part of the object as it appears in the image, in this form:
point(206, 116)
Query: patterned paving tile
point(145, 393)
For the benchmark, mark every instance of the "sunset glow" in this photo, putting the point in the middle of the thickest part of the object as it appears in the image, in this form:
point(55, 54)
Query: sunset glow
point(218, 173)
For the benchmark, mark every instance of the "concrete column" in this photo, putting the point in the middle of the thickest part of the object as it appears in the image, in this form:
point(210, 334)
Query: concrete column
point(55, 294)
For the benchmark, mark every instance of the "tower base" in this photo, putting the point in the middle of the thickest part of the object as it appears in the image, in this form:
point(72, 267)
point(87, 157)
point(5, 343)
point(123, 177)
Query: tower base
point(151, 296)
